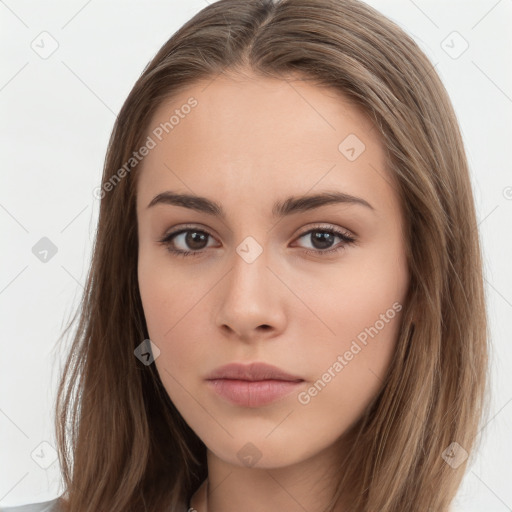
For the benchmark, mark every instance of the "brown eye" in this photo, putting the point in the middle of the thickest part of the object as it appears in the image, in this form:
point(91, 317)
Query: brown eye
point(186, 242)
point(196, 240)
point(323, 239)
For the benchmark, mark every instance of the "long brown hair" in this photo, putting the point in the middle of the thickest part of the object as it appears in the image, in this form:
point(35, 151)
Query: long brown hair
point(122, 444)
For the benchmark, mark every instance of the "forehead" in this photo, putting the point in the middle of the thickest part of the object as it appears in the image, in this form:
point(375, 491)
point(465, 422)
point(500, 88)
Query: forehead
point(274, 137)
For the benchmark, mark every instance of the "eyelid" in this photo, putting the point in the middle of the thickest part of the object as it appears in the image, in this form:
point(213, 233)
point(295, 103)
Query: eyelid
point(186, 227)
point(327, 227)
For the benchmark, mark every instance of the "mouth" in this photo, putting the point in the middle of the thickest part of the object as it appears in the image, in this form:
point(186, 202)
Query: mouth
point(252, 385)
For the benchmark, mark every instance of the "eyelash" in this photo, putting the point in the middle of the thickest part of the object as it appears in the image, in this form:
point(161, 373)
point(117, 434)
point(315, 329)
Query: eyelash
point(346, 240)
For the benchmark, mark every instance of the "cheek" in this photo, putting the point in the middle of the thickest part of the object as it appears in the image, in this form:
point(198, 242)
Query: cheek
point(359, 302)
point(160, 300)
point(163, 291)
point(163, 309)
point(349, 369)
point(156, 297)
point(170, 303)
point(363, 311)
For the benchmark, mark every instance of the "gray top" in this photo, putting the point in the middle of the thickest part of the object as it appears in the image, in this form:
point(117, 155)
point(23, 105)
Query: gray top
point(45, 506)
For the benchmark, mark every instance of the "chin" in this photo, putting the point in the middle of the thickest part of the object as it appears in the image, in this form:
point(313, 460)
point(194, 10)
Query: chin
point(255, 448)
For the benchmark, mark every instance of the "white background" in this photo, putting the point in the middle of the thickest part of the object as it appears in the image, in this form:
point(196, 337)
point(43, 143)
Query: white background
point(56, 118)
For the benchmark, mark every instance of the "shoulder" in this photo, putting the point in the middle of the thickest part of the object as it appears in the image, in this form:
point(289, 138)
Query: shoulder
point(45, 506)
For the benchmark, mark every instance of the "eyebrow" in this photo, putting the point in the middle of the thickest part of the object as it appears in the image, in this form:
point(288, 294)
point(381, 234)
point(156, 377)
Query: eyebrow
point(284, 208)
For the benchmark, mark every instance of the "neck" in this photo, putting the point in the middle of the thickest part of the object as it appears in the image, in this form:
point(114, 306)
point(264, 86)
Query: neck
point(302, 486)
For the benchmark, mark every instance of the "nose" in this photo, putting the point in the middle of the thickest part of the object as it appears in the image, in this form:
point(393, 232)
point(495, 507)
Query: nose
point(251, 300)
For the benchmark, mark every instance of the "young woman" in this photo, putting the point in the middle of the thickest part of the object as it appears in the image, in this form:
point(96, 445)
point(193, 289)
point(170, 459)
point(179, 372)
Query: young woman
point(285, 306)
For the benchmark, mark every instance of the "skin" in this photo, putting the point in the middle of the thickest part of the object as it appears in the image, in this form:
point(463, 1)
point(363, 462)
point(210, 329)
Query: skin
point(248, 143)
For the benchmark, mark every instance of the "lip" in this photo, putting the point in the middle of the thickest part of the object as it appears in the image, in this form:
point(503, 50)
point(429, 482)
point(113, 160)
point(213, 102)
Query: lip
point(252, 385)
point(253, 371)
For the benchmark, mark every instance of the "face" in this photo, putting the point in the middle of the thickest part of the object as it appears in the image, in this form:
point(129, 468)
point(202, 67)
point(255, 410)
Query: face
point(258, 271)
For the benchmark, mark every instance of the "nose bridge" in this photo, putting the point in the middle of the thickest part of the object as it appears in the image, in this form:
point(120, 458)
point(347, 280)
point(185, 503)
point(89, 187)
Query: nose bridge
point(248, 298)
point(249, 274)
